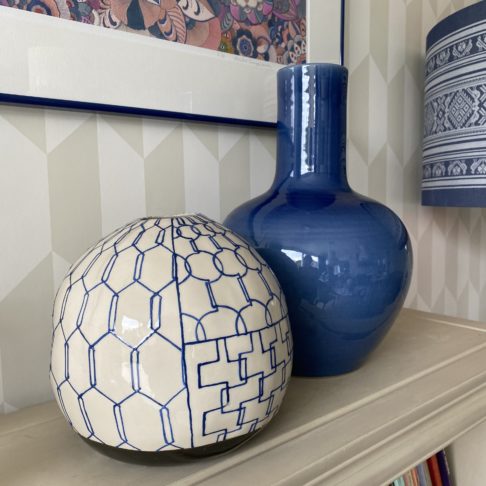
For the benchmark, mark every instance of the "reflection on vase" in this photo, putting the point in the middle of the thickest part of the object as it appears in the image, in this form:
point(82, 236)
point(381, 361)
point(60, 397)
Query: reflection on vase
point(344, 260)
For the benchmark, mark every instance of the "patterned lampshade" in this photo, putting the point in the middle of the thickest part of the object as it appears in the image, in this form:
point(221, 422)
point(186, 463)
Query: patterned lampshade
point(454, 149)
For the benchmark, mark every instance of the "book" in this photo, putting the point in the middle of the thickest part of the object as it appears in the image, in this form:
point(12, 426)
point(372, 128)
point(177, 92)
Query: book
point(415, 476)
point(424, 476)
point(407, 479)
point(445, 473)
point(399, 481)
point(434, 471)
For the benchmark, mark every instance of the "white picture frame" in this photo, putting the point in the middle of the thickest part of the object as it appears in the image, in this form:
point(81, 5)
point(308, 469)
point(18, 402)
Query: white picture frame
point(50, 61)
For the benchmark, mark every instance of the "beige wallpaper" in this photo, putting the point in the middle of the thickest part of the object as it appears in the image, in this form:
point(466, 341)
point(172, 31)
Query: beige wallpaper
point(386, 42)
point(67, 178)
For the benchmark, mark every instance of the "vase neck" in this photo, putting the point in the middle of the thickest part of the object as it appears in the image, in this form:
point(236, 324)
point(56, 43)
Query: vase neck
point(311, 127)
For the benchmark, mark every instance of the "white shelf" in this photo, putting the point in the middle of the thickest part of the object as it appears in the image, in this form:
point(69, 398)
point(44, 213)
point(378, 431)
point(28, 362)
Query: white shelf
point(422, 388)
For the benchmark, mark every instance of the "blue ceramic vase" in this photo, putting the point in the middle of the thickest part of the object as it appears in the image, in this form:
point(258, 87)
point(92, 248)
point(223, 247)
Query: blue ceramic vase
point(344, 260)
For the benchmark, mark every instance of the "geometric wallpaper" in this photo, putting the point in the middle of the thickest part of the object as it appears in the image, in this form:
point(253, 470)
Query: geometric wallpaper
point(386, 42)
point(69, 177)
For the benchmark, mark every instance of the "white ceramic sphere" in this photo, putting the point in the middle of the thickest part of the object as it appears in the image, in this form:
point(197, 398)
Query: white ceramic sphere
point(170, 333)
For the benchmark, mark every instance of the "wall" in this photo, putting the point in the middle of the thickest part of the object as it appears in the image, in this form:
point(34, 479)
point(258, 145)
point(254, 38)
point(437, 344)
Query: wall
point(386, 48)
point(66, 178)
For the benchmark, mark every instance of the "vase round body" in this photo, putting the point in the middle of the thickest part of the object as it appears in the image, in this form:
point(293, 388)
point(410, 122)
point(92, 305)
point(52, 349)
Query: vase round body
point(343, 260)
point(170, 334)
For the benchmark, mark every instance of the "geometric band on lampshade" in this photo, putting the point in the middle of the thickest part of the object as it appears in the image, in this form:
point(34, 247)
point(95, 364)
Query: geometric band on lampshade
point(454, 148)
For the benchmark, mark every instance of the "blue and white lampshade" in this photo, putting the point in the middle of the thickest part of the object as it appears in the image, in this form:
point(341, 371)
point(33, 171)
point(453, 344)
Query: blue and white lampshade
point(170, 333)
point(454, 149)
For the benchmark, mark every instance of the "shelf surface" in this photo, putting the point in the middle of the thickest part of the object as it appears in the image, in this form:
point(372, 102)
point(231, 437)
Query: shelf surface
point(423, 387)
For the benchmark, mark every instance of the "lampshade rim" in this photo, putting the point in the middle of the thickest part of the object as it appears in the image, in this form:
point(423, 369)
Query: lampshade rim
point(462, 18)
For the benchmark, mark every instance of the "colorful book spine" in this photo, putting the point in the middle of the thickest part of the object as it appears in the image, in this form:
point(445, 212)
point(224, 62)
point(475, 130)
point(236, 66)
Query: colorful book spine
point(399, 481)
point(415, 476)
point(406, 479)
point(424, 476)
point(412, 477)
point(434, 471)
point(445, 473)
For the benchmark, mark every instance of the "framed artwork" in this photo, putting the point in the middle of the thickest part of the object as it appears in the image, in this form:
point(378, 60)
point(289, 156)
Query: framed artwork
point(213, 60)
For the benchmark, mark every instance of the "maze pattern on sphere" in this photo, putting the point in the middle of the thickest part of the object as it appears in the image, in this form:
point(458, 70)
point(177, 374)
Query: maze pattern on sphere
point(170, 333)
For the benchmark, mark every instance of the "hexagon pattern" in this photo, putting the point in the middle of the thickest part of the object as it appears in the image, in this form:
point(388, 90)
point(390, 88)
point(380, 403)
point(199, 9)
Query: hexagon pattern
point(170, 333)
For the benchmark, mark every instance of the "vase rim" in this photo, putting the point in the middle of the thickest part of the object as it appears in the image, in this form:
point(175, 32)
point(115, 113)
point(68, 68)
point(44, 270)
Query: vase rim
point(316, 65)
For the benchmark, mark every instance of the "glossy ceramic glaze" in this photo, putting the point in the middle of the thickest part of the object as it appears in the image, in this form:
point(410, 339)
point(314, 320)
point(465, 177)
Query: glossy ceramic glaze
point(170, 333)
point(343, 260)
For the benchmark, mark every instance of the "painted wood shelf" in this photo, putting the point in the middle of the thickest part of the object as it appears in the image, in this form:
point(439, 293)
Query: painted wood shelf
point(421, 389)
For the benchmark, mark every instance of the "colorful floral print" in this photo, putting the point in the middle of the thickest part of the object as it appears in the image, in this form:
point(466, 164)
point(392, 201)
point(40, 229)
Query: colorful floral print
point(269, 30)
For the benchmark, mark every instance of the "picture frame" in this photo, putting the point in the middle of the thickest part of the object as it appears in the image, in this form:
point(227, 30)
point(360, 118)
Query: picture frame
point(53, 62)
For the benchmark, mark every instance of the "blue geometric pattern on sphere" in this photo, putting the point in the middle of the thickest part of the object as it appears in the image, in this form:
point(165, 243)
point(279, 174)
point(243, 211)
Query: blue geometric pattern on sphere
point(170, 333)
point(454, 149)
